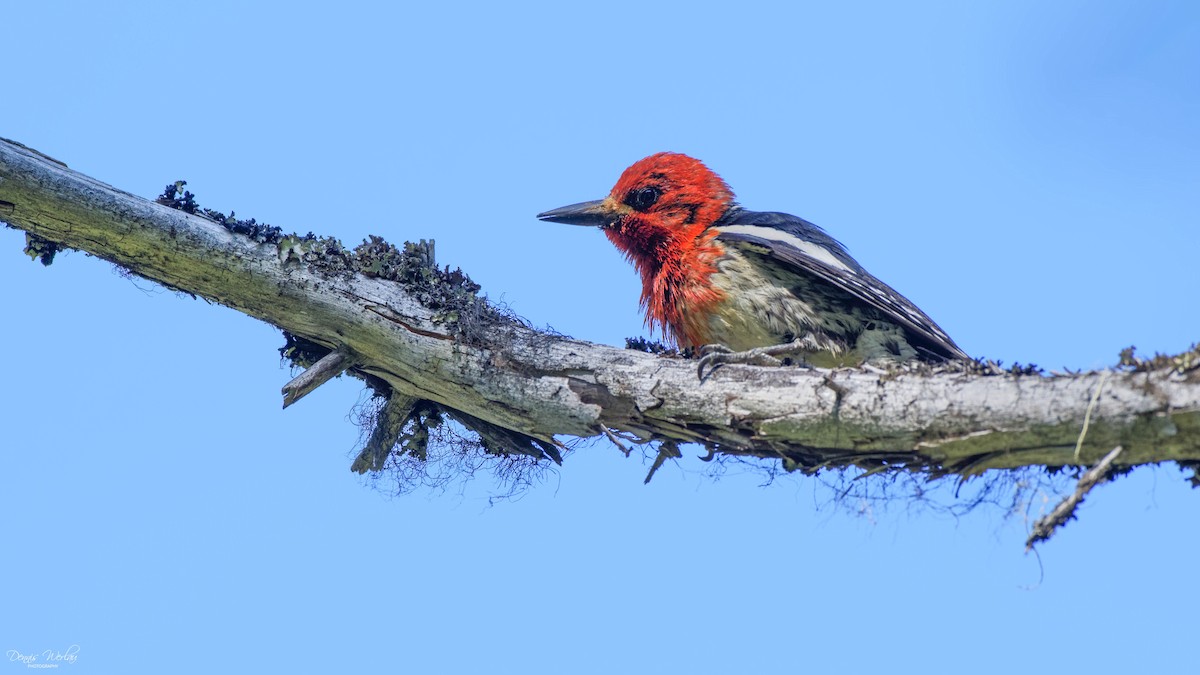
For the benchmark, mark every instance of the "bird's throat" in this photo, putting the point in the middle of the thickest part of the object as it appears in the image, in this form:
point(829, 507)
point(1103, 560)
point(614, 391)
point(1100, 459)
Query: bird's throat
point(678, 296)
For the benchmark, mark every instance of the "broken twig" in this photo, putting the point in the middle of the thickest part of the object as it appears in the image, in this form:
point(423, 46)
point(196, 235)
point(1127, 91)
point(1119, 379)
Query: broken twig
point(615, 440)
point(330, 366)
point(1045, 526)
point(666, 450)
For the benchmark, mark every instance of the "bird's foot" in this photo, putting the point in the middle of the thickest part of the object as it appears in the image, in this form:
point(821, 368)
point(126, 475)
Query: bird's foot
point(715, 356)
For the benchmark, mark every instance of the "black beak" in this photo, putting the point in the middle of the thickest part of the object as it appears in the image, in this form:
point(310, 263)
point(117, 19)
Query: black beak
point(585, 213)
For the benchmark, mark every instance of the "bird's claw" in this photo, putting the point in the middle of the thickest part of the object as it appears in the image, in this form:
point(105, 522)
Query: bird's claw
point(715, 356)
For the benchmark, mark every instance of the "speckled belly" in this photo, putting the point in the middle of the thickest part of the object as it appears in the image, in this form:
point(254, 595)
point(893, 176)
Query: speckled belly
point(764, 307)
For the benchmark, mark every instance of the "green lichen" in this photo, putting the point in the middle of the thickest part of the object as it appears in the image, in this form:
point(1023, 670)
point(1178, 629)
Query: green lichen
point(1182, 363)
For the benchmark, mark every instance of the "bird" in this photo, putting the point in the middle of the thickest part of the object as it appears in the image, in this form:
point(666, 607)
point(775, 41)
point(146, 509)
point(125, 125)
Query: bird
point(736, 285)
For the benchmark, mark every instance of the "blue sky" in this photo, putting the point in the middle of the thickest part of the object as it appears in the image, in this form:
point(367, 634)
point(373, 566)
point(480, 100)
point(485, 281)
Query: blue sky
point(1026, 173)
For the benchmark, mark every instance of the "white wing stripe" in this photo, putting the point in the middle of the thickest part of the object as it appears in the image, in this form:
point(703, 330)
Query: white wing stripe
point(808, 248)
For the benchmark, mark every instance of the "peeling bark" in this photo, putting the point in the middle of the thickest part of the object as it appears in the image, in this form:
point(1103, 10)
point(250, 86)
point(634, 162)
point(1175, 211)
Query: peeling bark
point(539, 385)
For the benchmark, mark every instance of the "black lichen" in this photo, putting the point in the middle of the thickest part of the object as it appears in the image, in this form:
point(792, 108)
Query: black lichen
point(300, 352)
point(450, 293)
point(642, 344)
point(42, 250)
point(175, 196)
point(1194, 479)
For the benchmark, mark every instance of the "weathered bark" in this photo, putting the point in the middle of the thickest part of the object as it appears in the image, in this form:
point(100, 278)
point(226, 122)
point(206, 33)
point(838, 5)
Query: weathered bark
point(544, 385)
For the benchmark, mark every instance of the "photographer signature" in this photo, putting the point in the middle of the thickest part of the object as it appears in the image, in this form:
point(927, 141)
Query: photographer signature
point(50, 657)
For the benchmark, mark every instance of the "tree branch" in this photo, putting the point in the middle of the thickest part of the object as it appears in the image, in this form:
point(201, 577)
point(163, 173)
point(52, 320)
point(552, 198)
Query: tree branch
point(503, 374)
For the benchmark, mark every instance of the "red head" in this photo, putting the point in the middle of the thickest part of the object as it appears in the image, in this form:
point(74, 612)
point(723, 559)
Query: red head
point(658, 215)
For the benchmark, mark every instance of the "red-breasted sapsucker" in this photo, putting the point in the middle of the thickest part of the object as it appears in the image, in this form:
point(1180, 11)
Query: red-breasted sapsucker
point(714, 273)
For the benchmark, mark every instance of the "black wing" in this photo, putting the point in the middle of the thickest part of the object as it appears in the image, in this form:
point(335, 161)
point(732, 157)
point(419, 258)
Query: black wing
point(809, 250)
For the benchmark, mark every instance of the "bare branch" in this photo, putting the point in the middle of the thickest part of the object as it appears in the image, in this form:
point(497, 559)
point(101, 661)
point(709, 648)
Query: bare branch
point(1045, 527)
point(518, 383)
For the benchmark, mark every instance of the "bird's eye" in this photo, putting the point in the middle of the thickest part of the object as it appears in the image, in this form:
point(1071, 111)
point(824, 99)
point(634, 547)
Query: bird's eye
point(643, 198)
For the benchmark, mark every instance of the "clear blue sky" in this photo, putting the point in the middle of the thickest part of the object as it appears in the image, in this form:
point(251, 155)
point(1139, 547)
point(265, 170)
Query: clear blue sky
point(1026, 172)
